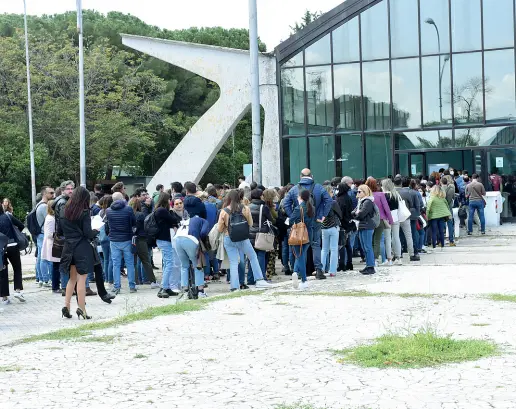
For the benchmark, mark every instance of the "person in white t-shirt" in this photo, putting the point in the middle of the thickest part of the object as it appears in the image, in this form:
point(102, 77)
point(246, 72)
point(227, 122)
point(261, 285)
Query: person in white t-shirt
point(242, 183)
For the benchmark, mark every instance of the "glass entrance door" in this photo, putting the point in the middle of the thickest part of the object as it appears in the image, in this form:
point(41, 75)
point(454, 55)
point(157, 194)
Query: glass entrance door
point(417, 164)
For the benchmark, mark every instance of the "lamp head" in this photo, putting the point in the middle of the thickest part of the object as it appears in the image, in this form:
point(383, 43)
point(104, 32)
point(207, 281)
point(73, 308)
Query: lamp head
point(430, 21)
point(447, 57)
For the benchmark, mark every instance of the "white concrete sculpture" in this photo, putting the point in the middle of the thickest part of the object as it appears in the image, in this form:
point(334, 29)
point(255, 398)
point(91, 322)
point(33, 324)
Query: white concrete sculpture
point(229, 68)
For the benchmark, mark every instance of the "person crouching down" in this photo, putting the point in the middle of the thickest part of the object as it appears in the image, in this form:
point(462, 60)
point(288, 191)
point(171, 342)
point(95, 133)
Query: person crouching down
point(187, 245)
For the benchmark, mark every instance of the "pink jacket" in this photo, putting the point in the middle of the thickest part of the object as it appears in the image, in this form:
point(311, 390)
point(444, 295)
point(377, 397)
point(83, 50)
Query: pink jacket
point(48, 239)
point(383, 206)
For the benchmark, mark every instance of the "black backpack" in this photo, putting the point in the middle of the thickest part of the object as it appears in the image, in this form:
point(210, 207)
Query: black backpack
point(238, 228)
point(150, 225)
point(32, 223)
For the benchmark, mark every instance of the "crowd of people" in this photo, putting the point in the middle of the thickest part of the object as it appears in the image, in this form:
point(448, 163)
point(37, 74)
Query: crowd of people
point(203, 235)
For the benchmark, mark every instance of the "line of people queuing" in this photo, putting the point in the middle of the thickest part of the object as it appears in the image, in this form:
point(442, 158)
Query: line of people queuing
point(199, 230)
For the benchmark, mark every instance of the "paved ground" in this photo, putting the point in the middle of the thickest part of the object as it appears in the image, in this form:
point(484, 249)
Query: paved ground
point(256, 352)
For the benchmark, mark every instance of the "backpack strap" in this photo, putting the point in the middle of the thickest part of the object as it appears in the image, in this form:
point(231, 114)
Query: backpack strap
point(260, 218)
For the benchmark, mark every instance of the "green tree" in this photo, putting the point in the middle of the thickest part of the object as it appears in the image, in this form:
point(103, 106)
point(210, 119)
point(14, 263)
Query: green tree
point(307, 18)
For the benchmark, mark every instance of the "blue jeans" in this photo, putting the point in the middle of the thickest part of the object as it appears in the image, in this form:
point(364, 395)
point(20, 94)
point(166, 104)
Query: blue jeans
point(260, 254)
point(316, 245)
point(451, 226)
point(174, 282)
point(422, 238)
point(187, 251)
point(234, 251)
point(119, 250)
point(477, 205)
point(330, 244)
point(287, 258)
point(437, 228)
point(39, 267)
point(300, 263)
point(241, 269)
point(211, 261)
point(107, 265)
point(47, 268)
point(366, 241)
point(167, 255)
point(415, 236)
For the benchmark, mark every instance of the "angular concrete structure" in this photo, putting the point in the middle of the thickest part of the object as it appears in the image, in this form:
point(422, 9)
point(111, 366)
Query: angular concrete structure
point(229, 68)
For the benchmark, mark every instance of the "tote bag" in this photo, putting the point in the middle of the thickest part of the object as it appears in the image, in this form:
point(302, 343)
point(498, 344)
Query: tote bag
point(264, 241)
point(403, 211)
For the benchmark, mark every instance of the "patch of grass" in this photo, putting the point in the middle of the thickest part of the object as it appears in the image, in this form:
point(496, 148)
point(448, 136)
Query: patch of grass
point(298, 406)
point(422, 349)
point(85, 330)
point(502, 297)
point(107, 339)
point(14, 368)
point(140, 356)
point(149, 388)
point(211, 360)
point(480, 324)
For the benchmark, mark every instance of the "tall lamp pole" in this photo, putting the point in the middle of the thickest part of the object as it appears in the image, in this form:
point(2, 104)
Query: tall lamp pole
point(29, 112)
point(82, 140)
point(255, 92)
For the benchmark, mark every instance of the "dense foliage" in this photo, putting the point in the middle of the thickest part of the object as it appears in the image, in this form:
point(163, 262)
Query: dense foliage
point(137, 107)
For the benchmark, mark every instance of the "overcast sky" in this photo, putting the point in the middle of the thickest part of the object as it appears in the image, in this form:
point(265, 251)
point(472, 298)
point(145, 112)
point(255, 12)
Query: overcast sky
point(274, 16)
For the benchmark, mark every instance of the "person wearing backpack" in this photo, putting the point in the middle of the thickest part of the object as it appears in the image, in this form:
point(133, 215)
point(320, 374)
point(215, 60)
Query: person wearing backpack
point(35, 222)
point(165, 220)
point(364, 214)
point(235, 221)
point(322, 202)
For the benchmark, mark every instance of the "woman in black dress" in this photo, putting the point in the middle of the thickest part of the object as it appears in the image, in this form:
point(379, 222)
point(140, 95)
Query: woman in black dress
point(78, 257)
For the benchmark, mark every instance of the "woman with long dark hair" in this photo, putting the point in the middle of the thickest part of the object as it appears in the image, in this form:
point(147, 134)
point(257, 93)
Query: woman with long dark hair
point(235, 248)
point(305, 212)
point(78, 256)
point(346, 207)
point(107, 265)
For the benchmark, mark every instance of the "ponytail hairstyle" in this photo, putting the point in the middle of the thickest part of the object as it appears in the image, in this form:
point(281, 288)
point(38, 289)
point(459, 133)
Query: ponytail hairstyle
point(305, 197)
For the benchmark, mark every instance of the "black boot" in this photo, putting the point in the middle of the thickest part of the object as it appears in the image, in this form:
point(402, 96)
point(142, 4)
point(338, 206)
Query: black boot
point(319, 275)
point(368, 271)
point(349, 267)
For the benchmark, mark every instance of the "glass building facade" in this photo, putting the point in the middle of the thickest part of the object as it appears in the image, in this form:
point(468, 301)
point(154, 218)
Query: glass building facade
point(400, 86)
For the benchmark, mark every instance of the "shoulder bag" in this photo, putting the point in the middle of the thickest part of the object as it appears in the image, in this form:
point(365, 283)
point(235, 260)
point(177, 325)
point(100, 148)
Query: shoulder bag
point(264, 241)
point(403, 211)
point(19, 237)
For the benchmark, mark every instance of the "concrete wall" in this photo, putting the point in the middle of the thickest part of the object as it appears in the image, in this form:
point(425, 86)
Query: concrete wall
point(229, 68)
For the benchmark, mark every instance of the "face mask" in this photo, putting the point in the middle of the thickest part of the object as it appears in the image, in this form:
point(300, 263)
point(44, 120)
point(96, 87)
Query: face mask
point(353, 186)
point(452, 172)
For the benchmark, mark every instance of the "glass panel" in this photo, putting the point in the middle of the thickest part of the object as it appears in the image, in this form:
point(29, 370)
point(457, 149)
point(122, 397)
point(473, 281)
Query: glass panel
point(296, 60)
point(434, 14)
point(351, 156)
point(319, 99)
point(378, 155)
point(498, 23)
point(503, 135)
point(292, 90)
point(403, 164)
point(319, 52)
point(466, 33)
point(416, 165)
point(294, 158)
point(423, 140)
point(467, 88)
point(503, 162)
point(405, 93)
point(499, 86)
point(404, 28)
point(346, 42)
point(375, 33)
point(347, 97)
point(436, 90)
point(438, 160)
point(376, 94)
point(322, 157)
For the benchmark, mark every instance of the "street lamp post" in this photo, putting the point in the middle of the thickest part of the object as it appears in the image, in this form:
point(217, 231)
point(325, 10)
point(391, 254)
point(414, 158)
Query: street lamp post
point(440, 72)
point(82, 127)
point(29, 112)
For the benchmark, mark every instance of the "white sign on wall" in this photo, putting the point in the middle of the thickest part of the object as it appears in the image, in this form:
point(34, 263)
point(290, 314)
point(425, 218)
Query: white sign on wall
point(499, 161)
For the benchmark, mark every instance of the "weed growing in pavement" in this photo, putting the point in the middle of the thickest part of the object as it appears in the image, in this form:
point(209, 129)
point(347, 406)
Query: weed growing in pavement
point(85, 330)
point(14, 368)
point(480, 324)
point(502, 297)
point(235, 313)
point(300, 405)
point(424, 348)
point(140, 356)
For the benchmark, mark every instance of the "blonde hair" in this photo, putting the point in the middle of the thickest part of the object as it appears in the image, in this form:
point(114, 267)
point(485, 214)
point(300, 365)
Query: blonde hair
point(366, 190)
point(50, 211)
point(437, 192)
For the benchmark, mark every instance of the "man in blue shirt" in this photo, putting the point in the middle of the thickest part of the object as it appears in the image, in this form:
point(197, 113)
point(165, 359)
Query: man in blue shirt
point(322, 202)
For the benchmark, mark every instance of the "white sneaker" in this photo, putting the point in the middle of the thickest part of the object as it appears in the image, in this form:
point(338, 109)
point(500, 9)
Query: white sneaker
point(40, 284)
point(47, 284)
point(19, 296)
point(295, 281)
point(202, 295)
point(398, 262)
point(386, 263)
point(263, 284)
point(155, 285)
point(6, 301)
point(303, 286)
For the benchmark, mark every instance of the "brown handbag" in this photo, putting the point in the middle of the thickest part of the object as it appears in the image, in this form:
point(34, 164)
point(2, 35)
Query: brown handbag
point(299, 233)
